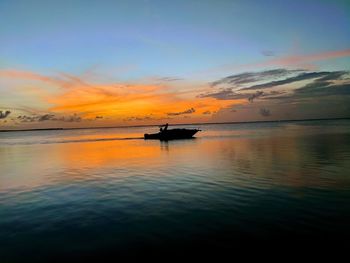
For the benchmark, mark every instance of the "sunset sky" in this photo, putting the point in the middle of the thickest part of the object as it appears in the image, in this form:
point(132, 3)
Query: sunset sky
point(111, 63)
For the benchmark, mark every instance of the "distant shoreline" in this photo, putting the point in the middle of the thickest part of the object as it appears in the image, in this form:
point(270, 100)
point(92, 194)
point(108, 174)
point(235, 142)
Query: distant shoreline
point(179, 124)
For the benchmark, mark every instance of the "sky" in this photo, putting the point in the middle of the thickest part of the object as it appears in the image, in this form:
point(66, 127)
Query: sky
point(119, 63)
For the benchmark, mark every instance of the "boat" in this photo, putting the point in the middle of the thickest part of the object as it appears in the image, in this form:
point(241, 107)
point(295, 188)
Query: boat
point(171, 134)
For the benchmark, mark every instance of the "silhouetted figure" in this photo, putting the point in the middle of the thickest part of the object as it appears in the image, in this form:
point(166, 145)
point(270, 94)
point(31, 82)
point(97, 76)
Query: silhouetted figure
point(165, 127)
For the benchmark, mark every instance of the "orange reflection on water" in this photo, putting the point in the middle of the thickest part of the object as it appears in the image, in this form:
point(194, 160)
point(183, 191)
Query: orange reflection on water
point(105, 153)
point(271, 160)
point(30, 166)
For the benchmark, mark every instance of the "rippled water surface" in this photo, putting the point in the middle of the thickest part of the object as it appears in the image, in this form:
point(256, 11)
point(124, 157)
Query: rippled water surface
point(69, 193)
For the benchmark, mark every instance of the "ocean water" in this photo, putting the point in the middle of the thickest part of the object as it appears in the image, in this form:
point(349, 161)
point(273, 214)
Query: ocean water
point(89, 193)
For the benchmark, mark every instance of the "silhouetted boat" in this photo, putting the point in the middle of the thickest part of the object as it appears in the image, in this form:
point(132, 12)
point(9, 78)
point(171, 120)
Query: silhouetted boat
point(172, 134)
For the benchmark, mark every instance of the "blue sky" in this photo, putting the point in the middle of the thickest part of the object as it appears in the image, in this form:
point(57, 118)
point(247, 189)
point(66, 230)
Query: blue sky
point(162, 37)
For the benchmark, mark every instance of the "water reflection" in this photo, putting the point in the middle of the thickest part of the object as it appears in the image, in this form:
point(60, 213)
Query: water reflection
point(216, 189)
point(295, 160)
point(164, 146)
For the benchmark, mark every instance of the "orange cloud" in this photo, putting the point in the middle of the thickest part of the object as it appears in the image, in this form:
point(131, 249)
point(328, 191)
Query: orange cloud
point(118, 101)
point(302, 59)
point(22, 75)
point(135, 100)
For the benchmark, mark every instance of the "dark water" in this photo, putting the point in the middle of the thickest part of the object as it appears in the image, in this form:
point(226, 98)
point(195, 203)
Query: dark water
point(86, 194)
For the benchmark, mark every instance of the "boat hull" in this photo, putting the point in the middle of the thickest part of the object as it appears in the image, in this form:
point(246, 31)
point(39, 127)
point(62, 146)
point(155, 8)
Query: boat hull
point(172, 134)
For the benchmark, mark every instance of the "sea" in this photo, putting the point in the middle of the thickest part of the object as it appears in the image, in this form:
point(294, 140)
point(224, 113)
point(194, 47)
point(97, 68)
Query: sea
point(88, 194)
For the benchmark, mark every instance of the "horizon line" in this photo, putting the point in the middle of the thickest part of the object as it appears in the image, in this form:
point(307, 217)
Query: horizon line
point(177, 124)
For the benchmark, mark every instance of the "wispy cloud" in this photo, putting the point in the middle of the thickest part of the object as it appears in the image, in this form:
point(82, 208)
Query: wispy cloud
point(303, 76)
point(286, 61)
point(250, 77)
point(319, 89)
point(141, 118)
point(224, 94)
point(189, 111)
point(244, 81)
point(48, 117)
point(229, 94)
point(23, 75)
point(169, 79)
point(268, 53)
point(303, 59)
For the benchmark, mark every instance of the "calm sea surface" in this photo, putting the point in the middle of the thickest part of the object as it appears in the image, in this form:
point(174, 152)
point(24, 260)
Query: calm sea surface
point(94, 192)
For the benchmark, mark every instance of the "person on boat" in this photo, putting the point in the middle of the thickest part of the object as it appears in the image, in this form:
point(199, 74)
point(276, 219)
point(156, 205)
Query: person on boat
point(165, 127)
